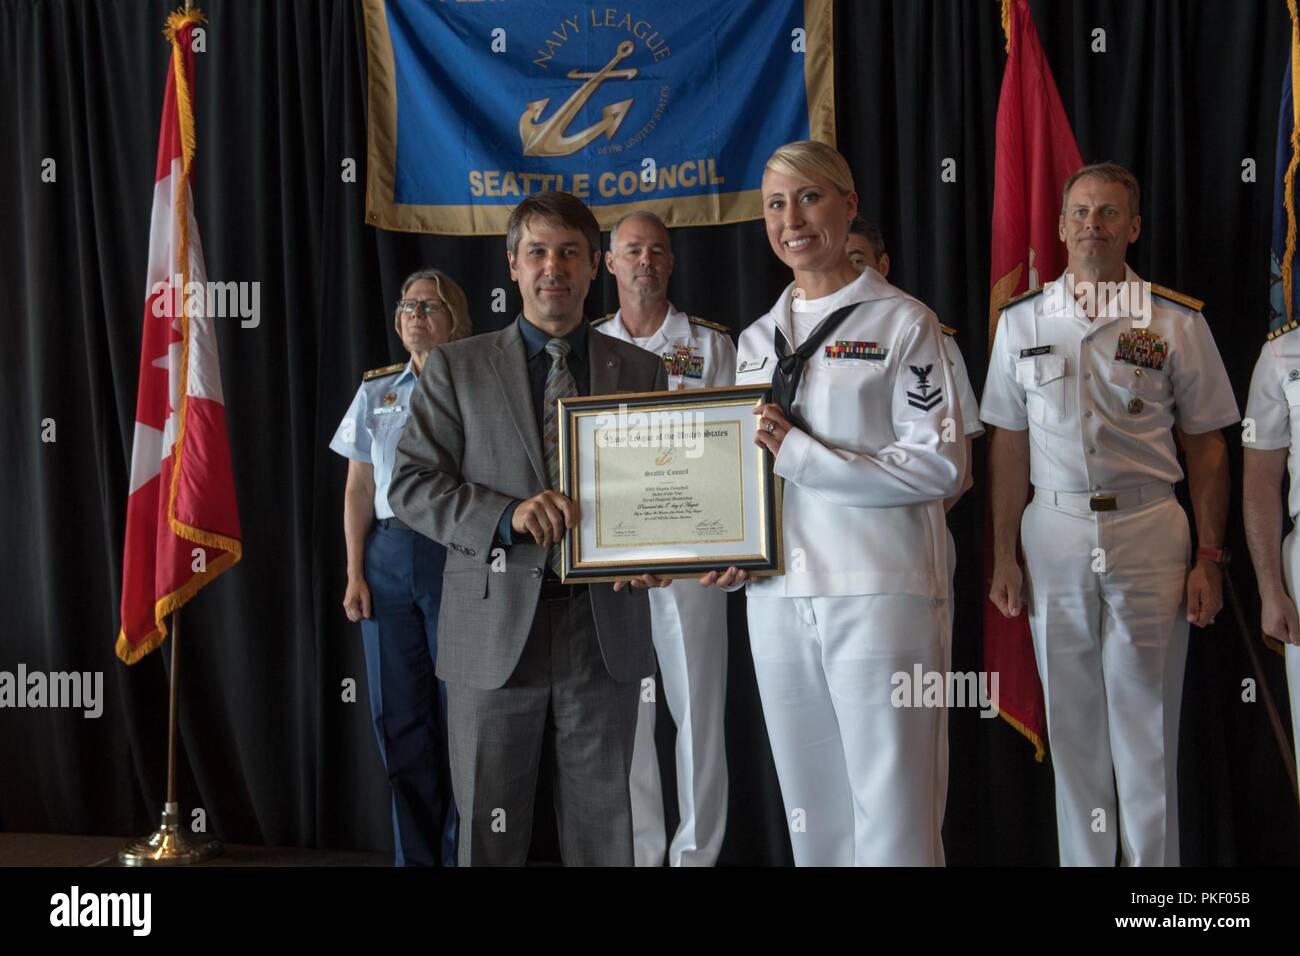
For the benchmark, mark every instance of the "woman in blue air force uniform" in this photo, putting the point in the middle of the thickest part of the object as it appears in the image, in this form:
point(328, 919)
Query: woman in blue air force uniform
point(395, 581)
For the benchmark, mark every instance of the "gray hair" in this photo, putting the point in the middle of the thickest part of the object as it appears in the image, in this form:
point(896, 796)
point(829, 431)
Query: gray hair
point(639, 214)
point(450, 293)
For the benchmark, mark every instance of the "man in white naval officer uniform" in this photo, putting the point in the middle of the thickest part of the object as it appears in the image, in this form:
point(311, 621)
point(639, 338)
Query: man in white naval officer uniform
point(1088, 379)
point(688, 622)
point(1270, 436)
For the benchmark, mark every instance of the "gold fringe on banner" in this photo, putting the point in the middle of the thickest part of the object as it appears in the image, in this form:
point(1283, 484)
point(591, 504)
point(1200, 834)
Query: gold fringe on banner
point(1033, 738)
point(1289, 182)
point(1006, 22)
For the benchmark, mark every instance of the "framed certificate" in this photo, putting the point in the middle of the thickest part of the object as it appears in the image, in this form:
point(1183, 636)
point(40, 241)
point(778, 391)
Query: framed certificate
point(668, 483)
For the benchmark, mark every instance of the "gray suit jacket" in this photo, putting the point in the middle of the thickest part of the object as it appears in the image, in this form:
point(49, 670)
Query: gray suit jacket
point(470, 446)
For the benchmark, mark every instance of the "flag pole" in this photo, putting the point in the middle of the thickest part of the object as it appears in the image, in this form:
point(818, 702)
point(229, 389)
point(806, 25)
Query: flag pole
point(170, 844)
point(1266, 695)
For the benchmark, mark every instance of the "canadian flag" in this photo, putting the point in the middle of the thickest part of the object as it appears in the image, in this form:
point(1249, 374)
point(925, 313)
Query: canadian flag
point(182, 523)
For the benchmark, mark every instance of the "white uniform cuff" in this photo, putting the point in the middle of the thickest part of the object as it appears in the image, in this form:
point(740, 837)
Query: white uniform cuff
point(792, 454)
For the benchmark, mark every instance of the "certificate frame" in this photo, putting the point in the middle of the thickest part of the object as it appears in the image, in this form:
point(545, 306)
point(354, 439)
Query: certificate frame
point(666, 527)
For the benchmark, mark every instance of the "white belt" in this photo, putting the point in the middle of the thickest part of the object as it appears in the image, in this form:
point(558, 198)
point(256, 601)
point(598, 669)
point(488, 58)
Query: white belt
point(1091, 502)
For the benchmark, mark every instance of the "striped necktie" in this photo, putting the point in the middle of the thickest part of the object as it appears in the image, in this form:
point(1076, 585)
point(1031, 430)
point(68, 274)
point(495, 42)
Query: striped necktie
point(559, 384)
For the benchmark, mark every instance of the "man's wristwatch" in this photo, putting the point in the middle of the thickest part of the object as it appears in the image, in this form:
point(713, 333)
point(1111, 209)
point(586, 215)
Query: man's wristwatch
point(1218, 555)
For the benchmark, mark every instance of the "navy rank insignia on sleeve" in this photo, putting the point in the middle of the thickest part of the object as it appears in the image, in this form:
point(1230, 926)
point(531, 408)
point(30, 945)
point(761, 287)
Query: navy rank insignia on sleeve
point(1143, 349)
point(926, 395)
point(849, 349)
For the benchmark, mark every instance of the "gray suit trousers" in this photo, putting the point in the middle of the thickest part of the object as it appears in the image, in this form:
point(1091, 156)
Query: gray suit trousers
point(560, 687)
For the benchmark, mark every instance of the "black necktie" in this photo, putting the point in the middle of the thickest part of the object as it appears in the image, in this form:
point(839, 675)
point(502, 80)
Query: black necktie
point(789, 365)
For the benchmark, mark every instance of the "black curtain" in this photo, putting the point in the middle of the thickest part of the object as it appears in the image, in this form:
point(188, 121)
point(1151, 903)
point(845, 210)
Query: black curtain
point(1183, 93)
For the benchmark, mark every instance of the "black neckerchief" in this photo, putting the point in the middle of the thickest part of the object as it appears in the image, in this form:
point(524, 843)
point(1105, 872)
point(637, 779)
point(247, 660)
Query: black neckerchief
point(789, 365)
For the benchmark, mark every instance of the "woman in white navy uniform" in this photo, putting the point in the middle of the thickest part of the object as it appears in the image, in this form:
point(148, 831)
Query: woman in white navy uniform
point(395, 581)
point(866, 432)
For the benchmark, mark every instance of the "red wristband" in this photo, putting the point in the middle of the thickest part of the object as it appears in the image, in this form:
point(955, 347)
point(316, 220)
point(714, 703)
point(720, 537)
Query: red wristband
point(1217, 555)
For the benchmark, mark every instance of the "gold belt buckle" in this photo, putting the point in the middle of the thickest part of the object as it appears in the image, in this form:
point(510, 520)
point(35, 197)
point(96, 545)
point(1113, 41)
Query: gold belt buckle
point(1102, 503)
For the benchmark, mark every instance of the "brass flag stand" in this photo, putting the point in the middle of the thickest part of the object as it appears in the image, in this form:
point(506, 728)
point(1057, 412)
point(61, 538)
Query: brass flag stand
point(171, 844)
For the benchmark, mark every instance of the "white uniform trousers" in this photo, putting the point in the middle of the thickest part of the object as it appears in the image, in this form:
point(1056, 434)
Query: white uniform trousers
point(1111, 647)
point(942, 806)
point(863, 782)
point(689, 629)
point(1291, 571)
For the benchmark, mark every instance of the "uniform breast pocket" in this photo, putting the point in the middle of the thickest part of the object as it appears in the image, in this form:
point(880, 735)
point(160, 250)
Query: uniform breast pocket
point(1044, 379)
point(1142, 391)
point(866, 377)
point(1291, 389)
point(842, 401)
point(386, 431)
point(382, 422)
point(1147, 382)
point(852, 363)
point(1291, 392)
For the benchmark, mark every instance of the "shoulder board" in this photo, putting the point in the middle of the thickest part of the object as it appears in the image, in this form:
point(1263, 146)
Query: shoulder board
point(381, 372)
point(947, 329)
point(1016, 299)
point(715, 326)
point(1283, 330)
point(1194, 304)
point(603, 318)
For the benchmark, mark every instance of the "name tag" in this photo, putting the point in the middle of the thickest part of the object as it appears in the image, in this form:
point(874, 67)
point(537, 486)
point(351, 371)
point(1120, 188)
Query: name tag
point(752, 365)
point(1039, 350)
point(389, 410)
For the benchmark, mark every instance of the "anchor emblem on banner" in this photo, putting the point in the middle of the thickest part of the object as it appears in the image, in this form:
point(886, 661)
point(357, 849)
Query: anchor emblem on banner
point(547, 138)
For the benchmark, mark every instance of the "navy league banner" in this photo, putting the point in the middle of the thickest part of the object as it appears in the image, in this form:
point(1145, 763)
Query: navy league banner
point(669, 105)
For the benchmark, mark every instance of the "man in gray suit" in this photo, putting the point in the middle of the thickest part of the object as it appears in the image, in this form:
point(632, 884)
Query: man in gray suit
point(523, 656)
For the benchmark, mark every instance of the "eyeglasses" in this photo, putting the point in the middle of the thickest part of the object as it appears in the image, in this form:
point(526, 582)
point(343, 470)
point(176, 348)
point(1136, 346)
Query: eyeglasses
point(426, 307)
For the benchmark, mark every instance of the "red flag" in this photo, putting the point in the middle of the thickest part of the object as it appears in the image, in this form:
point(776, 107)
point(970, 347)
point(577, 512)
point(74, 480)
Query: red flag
point(1036, 154)
point(182, 524)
